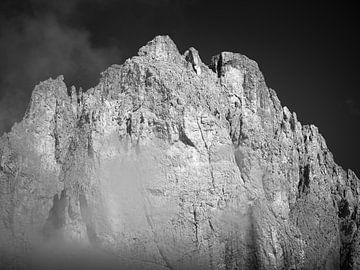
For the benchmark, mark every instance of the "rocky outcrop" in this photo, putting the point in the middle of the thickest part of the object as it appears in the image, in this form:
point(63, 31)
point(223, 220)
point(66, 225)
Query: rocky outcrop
point(170, 164)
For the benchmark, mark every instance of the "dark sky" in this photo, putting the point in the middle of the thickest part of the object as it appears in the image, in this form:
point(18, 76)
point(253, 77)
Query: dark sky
point(308, 52)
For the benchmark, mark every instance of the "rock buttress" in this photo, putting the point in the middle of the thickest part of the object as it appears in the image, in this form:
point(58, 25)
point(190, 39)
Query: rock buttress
point(168, 164)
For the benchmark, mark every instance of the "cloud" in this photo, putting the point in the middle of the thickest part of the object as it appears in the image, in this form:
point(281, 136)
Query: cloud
point(36, 47)
point(45, 38)
point(61, 8)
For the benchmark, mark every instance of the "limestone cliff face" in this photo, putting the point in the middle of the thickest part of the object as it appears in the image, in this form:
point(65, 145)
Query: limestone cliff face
point(170, 164)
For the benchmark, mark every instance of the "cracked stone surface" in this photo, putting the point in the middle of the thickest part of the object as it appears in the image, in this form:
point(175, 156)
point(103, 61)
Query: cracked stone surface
point(170, 164)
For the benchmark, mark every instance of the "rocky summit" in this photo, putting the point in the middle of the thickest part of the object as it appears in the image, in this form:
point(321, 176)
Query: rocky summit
point(172, 164)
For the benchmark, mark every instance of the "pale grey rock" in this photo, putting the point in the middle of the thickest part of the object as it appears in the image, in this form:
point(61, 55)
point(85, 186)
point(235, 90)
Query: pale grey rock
point(192, 56)
point(168, 164)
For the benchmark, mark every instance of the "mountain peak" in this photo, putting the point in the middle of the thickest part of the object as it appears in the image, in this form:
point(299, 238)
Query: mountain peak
point(160, 48)
point(163, 164)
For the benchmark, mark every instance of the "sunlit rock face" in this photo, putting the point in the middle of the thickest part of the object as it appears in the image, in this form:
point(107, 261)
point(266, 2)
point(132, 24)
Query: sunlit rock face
point(170, 164)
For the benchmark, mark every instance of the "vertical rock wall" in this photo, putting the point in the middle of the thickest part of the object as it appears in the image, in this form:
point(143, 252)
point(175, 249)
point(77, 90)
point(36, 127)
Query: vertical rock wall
point(170, 164)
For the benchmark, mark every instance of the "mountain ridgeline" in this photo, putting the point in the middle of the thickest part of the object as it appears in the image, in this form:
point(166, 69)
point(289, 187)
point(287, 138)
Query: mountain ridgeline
point(172, 164)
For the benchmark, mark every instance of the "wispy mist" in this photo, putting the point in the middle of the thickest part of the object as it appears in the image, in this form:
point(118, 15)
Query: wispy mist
point(40, 44)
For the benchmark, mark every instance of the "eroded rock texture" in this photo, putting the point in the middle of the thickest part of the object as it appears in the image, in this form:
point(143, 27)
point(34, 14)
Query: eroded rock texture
point(170, 164)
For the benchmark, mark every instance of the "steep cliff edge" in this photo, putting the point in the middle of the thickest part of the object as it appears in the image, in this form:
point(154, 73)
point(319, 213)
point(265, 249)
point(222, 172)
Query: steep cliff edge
point(170, 164)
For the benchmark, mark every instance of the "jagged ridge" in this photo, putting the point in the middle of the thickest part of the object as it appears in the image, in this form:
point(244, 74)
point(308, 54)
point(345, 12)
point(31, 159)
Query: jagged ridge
point(168, 163)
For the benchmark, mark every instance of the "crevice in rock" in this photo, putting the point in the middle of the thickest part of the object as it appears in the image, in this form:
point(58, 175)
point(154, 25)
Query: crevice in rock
point(90, 147)
point(354, 214)
point(208, 152)
point(219, 66)
point(80, 96)
point(57, 215)
point(292, 123)
point(56, 134)
point(216, 65)
point(240, 161)
point(344, 210)
point(197, 226)
point(236, 130)
point(128, 125)
point(184, 138)
point(57, 146)
point(211, 226)
point(193, 58)
point(304, 180)
point(148, 76)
